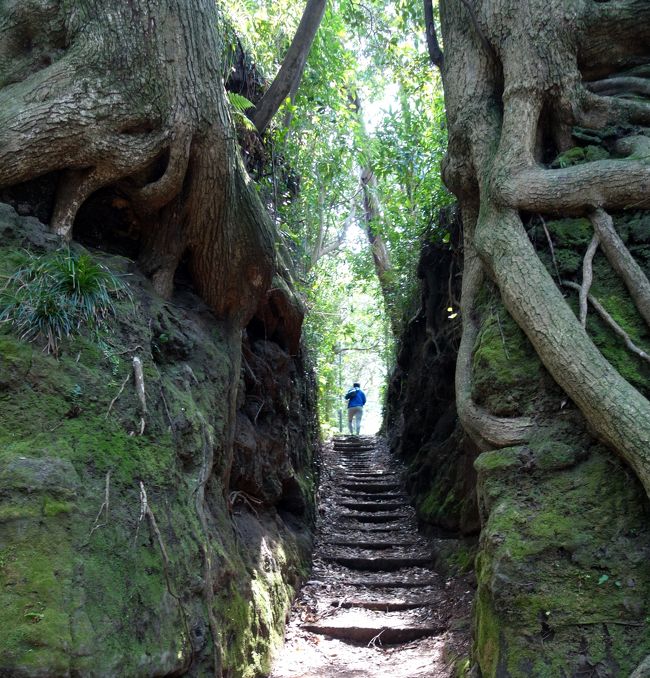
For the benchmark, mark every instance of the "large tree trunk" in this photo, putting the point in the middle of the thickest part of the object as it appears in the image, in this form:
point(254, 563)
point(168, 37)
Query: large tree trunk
point(131, 94)
point(519, 78)
point(510, 85)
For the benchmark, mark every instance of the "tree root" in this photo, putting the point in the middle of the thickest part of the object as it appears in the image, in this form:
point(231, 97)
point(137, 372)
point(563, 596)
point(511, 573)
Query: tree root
point(145, 511)
point(119, 393)
point(245, 498)
point(485, 429)
point(620, 85)
point(551, 248)
point(139, 389)
point(622, 262)
point(616, 184)
point(103, 508)
point(156, 195)
point(643, 669)
point(617, 329)
point(199, 503)
point(587, 277)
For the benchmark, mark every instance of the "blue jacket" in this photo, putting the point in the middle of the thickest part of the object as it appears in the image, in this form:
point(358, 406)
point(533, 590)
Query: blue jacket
point(355, 397)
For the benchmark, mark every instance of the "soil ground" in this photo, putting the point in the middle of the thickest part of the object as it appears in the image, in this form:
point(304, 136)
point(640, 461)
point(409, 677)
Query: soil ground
point(374, 607)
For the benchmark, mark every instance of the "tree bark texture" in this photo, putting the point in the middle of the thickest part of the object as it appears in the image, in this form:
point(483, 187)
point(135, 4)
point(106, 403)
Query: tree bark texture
point(131, 95)
point(514, 74)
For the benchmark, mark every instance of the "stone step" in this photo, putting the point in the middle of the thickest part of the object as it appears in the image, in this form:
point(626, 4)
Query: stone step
point(373, 528)
point(373, 480)
point(376, 475)
point(401, 583)
point(374, 517)
point(390, 628)
point(380, 563)
point(370, 486)
point(381, 604)
point(373, 506)
point(372, 496)
point(376, 545)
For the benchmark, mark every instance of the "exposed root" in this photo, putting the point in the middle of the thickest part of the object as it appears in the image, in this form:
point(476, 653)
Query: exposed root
point(156, 195)
point(246, 498)
point(139, 389)
point(587, 277)
point(620, 85)
point(616, 328)
point(104, 507)
point(623, 262)
point(75, 188)
point(643, 669)
point(119, 393)
point(550, 247)
point(145, 511)
point(616, 184)
point(375, 639)
point(598, 111)
point(485, 429)
point(199, 503)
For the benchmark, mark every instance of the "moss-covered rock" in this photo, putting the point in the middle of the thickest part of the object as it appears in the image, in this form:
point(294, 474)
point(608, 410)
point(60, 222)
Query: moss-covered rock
point(88, 586)
point(562, 567)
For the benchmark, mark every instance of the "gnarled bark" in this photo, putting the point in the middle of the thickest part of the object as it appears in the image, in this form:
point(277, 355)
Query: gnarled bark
point(132, 95)
point(498, 97)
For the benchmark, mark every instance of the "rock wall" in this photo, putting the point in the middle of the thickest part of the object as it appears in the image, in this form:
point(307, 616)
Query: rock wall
point(421, 420)
point(94, 583)
point(563, 574)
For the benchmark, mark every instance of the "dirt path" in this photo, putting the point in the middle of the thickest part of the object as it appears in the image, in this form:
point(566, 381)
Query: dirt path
point(373, 607)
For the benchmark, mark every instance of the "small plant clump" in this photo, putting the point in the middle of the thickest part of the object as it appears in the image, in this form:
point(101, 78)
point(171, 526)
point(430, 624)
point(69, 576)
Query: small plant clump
point(57, 294)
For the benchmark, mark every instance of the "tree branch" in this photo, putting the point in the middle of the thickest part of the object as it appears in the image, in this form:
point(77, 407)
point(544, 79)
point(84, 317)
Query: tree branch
point(435, 53)
point(290, 73)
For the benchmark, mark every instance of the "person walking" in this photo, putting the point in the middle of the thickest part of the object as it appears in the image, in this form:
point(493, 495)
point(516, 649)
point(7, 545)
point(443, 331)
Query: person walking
point(356, 400)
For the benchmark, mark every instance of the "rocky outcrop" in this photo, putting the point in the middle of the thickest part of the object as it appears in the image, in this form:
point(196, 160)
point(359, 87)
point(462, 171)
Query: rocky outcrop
point(421, 420)
point(563, 582)
point(124, 553)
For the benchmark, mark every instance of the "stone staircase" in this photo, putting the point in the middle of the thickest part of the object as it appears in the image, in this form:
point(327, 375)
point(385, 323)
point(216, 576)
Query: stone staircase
point(372, 586)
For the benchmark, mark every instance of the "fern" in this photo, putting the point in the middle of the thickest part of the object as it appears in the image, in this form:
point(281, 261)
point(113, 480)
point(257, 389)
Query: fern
point(240, 104)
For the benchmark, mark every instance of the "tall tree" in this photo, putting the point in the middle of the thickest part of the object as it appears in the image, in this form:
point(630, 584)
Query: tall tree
point(513, 85)
point(131, 95)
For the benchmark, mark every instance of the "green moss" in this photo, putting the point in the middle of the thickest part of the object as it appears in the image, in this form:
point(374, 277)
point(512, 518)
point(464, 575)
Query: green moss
point(561, 564)
point(579, 154)
point(52, 507)
point(506, 368)
point(570, 233)
point(83, 586)
point(612, 294)
point(36, 576)
point(487, 624)
point(505, 459)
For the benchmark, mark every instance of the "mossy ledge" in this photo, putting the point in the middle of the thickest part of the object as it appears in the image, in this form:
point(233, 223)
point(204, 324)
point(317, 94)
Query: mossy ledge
point(84, 589)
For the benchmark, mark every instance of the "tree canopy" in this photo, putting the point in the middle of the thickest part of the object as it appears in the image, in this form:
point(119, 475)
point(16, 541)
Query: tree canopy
point(369, 102)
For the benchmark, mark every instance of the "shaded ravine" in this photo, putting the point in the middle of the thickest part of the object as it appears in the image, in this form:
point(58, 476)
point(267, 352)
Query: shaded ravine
point(374, 606)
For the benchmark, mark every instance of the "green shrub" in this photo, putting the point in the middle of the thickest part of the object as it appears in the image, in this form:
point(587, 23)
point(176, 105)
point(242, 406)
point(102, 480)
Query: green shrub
point(57, 294)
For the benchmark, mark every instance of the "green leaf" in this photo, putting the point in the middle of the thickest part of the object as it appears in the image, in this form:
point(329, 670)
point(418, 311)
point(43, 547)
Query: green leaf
point(239, 103)
point(603, 578)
